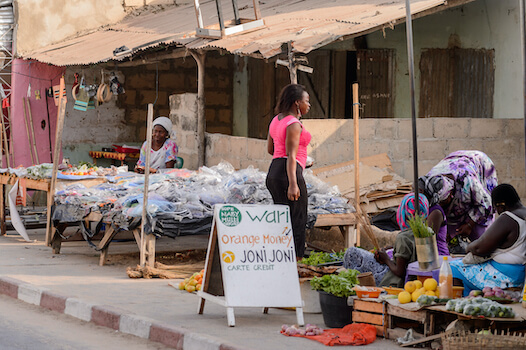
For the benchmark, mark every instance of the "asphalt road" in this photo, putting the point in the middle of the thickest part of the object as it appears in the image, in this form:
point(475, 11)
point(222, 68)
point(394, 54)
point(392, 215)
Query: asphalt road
point(24, 326)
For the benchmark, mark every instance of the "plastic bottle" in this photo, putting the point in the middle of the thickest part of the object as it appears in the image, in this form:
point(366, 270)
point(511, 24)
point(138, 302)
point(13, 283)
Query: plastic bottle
point(445, 280)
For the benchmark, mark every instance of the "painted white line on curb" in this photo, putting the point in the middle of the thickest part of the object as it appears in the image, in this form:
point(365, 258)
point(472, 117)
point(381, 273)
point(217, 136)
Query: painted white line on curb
point(78, 309)
point(135, 325)
point(30, 294)
point(193, 341)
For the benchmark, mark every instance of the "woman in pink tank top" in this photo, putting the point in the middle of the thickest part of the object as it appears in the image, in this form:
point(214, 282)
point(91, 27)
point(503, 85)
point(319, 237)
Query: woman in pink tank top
point(287, 143)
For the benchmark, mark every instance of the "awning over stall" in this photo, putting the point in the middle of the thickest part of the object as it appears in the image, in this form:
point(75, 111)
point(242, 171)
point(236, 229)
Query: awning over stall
point(310, 24)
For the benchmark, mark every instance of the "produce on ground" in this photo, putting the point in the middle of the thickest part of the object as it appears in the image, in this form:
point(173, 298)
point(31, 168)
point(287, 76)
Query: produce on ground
point(310, 329)
point(479, 306)
point(193, 283)
point(340, 285)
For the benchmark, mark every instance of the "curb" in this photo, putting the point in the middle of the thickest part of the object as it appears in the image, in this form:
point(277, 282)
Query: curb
point(111, 317)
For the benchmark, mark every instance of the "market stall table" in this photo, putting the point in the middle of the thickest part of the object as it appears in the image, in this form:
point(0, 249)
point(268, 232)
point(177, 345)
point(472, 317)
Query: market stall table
point(39, 185)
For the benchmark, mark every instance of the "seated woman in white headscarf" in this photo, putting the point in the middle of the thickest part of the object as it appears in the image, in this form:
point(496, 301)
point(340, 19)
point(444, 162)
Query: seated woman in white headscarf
point(163, 153)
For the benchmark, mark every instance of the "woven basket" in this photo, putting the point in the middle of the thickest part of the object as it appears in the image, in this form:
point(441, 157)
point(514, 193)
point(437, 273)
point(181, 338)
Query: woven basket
point(467, 340)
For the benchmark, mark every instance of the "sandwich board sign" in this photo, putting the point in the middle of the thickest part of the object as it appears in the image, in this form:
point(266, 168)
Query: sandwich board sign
point(251, 260)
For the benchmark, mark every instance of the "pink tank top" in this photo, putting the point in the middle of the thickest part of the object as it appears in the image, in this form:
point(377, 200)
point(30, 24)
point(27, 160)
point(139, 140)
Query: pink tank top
point(278, 132)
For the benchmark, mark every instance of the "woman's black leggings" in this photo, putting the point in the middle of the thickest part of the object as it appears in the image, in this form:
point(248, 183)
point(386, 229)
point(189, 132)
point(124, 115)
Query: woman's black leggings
point(278, 184)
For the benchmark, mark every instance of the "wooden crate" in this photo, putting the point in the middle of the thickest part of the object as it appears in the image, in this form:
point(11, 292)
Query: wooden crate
point(372, 313)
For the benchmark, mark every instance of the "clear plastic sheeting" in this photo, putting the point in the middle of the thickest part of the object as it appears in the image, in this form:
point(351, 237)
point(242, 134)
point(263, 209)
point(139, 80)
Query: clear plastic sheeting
point(179, 199)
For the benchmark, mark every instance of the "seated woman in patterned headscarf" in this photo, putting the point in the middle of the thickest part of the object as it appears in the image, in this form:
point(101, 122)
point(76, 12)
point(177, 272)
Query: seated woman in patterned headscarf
point(163, 152)
point(460, 186)
point(387, 271)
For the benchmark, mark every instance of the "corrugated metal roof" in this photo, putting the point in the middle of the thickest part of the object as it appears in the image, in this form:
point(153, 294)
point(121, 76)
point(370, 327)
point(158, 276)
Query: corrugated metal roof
point(310, 24)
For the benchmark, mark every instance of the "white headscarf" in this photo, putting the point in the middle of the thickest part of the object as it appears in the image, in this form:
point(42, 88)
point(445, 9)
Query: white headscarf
point(165, 123)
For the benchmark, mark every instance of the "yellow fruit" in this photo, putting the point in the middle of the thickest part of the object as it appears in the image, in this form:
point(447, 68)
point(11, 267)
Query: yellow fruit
point(437, 293)
point(189, 288)
point(430, 293)
point(192, 282)
point(418, 284)
point(182, 285)
point(198, 286)
point(404, 297)
point(410, 287)
point(416, 294)
point(430, 284)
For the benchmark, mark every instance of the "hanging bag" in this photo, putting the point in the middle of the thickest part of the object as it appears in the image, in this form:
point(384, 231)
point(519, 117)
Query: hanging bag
point(81, 104)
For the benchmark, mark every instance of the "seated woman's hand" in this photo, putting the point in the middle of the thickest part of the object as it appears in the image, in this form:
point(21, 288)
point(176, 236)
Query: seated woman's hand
point(381, 256)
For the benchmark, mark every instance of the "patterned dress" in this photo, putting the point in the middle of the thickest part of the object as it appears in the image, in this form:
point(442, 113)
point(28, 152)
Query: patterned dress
point(475, 177)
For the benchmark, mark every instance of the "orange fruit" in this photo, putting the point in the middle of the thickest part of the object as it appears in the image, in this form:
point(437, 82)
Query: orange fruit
point(182, 285)
point(190, 288)
point(198, 286)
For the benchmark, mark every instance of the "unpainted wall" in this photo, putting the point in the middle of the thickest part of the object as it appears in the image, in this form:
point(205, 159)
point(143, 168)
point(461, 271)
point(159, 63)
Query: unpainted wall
point(43, 22)
point(332, 142)
point(482, 24)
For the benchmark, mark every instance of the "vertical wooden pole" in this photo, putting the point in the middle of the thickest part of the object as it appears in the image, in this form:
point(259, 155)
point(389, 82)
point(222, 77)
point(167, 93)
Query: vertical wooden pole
point(293, 69)
point(144, 245)
point(27, 130)
point(356, 115)
point(199, 57)
point(56, 157)
point(6, 144)
point(257, 12)
point(32, 128)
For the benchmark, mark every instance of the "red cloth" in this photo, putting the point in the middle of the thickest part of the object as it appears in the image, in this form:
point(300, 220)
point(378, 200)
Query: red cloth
point(352, 334)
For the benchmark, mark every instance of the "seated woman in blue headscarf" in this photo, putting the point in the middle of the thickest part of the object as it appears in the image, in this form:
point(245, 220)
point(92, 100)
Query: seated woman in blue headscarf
point(387, 271)
point(498, 257)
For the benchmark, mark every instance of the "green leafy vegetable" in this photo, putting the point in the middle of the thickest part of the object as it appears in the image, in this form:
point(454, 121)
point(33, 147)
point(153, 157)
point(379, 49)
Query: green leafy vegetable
point(322, 258)
point(339, 285)
point(419, 227)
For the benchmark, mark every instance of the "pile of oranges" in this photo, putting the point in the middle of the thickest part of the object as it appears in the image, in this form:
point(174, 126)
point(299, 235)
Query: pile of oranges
point(414, 289)
point(193, 283)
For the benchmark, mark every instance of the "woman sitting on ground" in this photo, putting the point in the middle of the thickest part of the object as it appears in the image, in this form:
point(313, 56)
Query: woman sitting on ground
point(497, 258)
point(389, 272)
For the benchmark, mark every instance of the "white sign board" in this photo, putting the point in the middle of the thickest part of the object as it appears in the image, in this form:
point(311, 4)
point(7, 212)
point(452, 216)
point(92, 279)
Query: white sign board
point(257, 256)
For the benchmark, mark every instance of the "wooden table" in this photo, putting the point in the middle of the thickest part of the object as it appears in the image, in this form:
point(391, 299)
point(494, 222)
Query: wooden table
point(39, 185)
point(345, 222)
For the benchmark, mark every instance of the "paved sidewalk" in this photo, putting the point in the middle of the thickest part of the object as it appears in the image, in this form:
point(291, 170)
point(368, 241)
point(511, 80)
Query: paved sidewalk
point(74, 284)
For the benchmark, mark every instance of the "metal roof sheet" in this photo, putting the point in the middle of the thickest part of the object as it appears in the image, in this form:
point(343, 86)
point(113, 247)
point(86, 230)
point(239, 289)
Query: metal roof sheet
point(310, 24)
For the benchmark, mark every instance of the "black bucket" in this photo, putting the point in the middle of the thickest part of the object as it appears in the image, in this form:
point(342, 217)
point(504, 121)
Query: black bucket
point(336, 312)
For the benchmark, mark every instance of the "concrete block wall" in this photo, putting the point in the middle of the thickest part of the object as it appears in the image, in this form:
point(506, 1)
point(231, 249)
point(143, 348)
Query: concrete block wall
point(156, 82)
point(501, 139)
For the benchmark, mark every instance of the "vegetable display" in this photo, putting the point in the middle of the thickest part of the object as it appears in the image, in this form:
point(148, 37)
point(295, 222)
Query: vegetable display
point(419, 227)
point(192, 283)
point(479, 306)
point(322, 258)
point(340, 285)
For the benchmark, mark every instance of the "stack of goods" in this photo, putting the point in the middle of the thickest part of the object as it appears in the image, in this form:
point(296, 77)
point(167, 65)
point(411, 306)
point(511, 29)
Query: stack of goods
point(380, 187)
point(181, 201)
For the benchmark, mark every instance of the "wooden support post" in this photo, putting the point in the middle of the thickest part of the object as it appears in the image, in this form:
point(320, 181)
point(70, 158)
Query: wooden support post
point(356, 114)
point(50, 234)
point(2, 210)
point(6, 143)
point(146, 184)
point(199, 57)
point(27, 130)
point(150, 245)
point(257, 12)
point(293, 69)
point(10, 134)
point(32, 128)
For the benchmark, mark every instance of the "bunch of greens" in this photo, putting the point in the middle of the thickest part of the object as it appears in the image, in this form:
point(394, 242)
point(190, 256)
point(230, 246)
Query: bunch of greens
point(419, 227)
point(339, 285)
point(322, 258)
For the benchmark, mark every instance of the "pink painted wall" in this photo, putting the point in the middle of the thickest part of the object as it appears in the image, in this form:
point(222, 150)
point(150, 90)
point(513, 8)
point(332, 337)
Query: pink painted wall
point(41, 76)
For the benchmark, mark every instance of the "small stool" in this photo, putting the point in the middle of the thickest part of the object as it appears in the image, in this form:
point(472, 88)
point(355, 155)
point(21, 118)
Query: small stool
point(413, 269)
